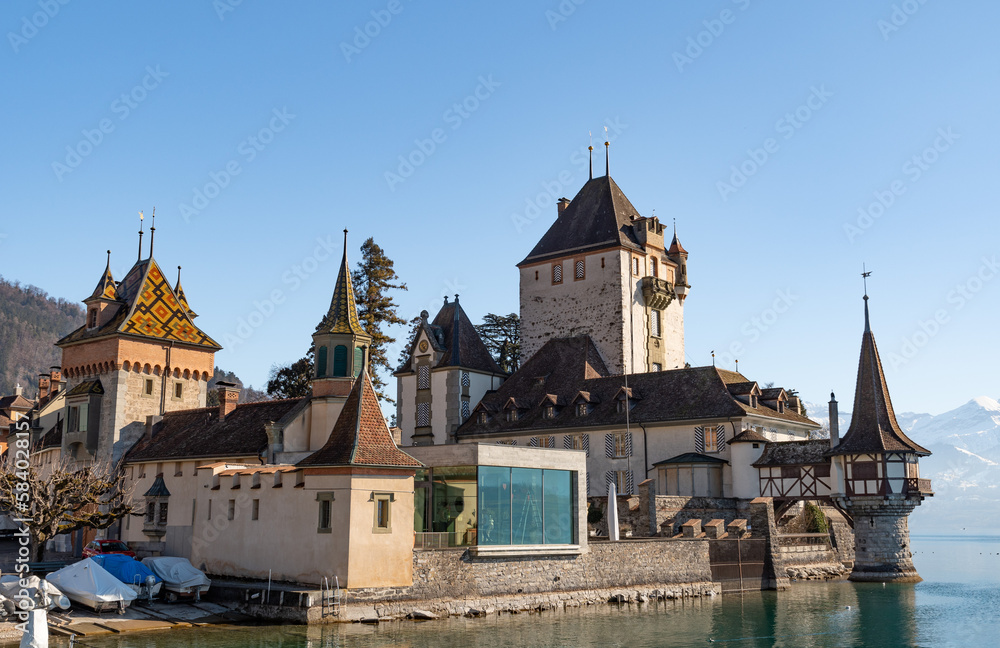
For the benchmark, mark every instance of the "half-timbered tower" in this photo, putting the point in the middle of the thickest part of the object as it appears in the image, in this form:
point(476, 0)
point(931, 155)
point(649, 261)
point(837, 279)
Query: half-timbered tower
point(876, 476)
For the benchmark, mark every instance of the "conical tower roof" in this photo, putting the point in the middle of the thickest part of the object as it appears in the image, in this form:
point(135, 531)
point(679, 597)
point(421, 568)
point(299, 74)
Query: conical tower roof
point(360, 437)
point(343, 314)
point(873, 423)
point(106, 286)
point(181, 298)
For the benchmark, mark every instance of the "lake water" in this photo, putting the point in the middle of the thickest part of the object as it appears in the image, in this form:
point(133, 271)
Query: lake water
point(957, 604)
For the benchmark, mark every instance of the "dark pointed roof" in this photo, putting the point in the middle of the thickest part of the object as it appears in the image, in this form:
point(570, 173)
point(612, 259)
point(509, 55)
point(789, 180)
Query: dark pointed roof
point(105, 288)
point(873, 422)
point(360, 437)
point(149, 309)
point(342, 317)
point(158, 489)
point(676, 247)
point(599, 216)
point(453, 334)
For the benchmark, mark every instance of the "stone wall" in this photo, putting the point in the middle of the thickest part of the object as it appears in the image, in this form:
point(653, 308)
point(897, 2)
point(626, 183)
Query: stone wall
point(671, 512)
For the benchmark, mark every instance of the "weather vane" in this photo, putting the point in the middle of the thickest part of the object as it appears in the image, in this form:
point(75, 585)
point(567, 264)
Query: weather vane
point(865, 273)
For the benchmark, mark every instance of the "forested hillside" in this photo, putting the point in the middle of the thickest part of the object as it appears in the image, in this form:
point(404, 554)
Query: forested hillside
point(30, 323)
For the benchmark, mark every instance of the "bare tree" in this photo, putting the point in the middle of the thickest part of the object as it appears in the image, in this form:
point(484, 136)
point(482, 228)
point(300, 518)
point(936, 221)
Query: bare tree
point(94, 497)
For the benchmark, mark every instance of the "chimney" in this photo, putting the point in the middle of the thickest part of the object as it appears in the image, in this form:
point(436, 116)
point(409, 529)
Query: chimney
point(43, 386)
point(562, 203)
point(834, 422)
point(18, 390)
point(151, 421)
point(229, 395)
point(55, 378)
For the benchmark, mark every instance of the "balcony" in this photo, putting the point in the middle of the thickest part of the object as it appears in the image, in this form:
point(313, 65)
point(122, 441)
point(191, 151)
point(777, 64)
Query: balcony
point(658, 293)
point(918, 486)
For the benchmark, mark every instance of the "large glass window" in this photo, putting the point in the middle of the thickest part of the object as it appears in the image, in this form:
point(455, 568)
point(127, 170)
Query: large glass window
point(525, 506)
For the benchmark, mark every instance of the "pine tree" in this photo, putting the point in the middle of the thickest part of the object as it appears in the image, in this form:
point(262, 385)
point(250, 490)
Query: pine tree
point(373, 280)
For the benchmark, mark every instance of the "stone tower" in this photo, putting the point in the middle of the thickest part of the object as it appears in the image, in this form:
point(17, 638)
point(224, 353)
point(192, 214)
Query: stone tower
point(139, 354)
point(447, 371)
point(876, 476)
point(603, 270)
point(341, 353)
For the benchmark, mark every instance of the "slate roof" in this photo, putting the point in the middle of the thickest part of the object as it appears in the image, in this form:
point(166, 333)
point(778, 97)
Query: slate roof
point(342, 317)
point(158, 489)
point(196, 433)
point(148, 308)
point(691, 457)
point(794, 453)
point(16, 402)
point(567, 367)
point(452, 333)
point(87, 387)
point(749, 436)
point(599, 216)
point(873, 422)
point(360, 437)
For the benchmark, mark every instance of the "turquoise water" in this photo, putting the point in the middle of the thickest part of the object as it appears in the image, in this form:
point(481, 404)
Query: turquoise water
point(958, 604)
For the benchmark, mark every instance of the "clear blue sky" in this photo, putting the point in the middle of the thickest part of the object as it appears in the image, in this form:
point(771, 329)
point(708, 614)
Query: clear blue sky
point(181, 88)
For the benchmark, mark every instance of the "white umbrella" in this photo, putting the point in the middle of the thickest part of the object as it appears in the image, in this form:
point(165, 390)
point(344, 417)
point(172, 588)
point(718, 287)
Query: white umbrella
point(612, 512)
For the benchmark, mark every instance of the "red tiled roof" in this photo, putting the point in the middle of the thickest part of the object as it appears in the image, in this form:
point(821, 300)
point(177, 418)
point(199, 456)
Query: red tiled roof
point(360, 437)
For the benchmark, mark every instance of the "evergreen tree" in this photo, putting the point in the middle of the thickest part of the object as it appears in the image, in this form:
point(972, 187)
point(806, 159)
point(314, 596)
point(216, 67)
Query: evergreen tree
point(292, 381)
point(373, 280)
point(502, 336)
point(404, 353)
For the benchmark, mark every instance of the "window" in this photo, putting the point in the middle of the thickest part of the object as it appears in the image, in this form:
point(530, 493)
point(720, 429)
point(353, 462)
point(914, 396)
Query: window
point(546, 442)
point(864, 470)
point(635, 265)
point(657, 366)
point(209, 509)
point(623, 444)
point(423, 377)
point(325, 524)
point(581, 442)
point(623, 483)
point(255, 510)
point(423, 414)
point(549, 412)
point(77, 418)
point(557, 273)
point(483, 418)
point(340, 360)
point(711, 438)
point(581, 409)
point(654, 323)
point(536, 275)
point(92, 318)
point(359, 360)
point(232, 510)
point(163, 513)
point(150, 512)
point(383, 512)
point(579, 269)
point(178, 469)
point(321, 362)
point(525, 506)
point(753, 401)
point(147, 388)
point(652, 266)
point(178, 390)
point(781, 407)
point(512, 414)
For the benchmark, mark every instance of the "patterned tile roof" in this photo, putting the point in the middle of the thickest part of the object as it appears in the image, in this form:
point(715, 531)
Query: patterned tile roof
point(599, 216)
point(572, 368)
point(197, 433)
point(360, 437)
point(150, 309)
point(873, 422)
point(343, 314)
point(106, 288)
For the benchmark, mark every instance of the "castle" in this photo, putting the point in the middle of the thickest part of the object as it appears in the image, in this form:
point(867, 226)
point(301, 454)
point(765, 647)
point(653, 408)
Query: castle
point(604, 377)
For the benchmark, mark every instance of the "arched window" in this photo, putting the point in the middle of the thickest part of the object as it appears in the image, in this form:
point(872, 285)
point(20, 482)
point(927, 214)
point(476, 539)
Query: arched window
point(359, 360)
point(321, 362)
point(340, 360)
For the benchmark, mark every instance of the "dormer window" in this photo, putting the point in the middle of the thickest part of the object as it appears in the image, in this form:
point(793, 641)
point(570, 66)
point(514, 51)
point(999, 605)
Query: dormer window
point(549, 412)
point(781, 407)
point(581, 409)
point(92, 318)
point(483, 418)
point(753, 401)
point(511, 415)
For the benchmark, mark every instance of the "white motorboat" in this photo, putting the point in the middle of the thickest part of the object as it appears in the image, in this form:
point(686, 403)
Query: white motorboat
point(180, 577)
point(89, 584)
point(11, 588)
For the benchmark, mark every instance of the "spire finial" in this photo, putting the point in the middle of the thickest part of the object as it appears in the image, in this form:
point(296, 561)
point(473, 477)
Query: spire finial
point(713, 357)
point(737, 365)
point(152, 232)
point(140, 237)
point(675, 227)
point(178, 275)
point(456, 298)
point(109, 259)
point(865, 273)
point(607, 153)
point(591, 147)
